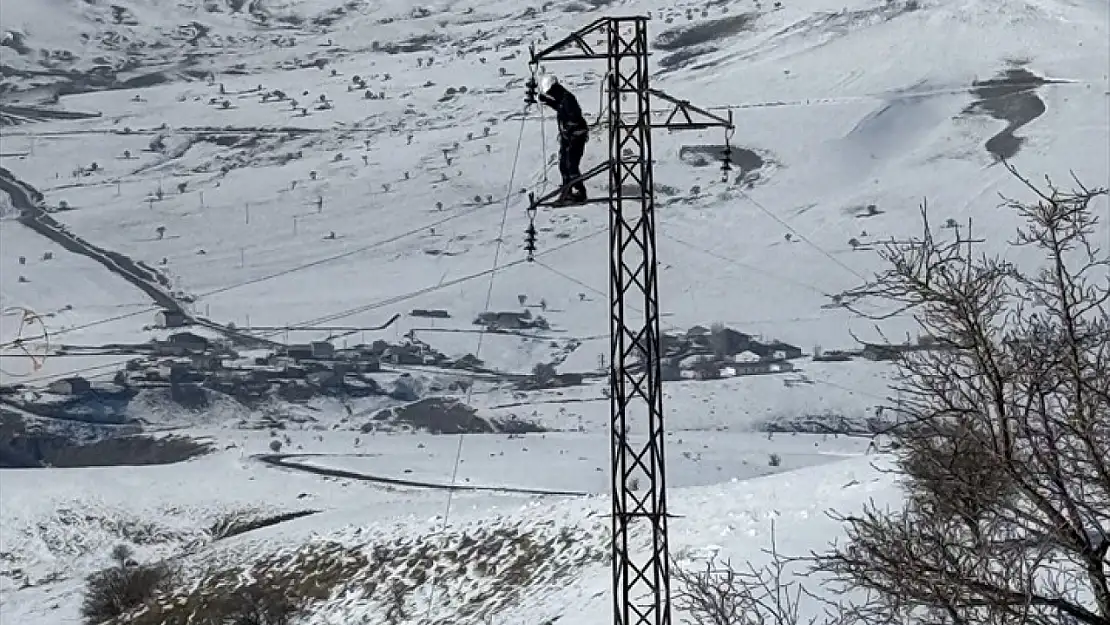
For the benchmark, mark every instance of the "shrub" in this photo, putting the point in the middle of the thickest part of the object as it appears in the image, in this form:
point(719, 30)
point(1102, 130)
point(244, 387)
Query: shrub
point(117, 590)
point(261, 605)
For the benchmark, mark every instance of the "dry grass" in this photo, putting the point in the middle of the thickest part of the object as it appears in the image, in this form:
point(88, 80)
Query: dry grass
point(476, 571)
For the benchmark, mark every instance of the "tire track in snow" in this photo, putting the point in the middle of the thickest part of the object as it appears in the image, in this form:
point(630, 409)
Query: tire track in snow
point(282, 461)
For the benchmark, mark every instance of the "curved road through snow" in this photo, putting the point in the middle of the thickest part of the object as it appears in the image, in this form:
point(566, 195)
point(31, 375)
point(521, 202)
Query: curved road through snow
point(283, 461)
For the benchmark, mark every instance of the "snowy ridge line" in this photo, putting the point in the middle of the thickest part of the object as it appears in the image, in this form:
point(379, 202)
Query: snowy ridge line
point(888, 96)
point(282, 461)
point(885, 96)
point(29, 202)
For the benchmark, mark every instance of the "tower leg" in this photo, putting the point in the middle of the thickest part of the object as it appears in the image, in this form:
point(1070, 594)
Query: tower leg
point(641, 573)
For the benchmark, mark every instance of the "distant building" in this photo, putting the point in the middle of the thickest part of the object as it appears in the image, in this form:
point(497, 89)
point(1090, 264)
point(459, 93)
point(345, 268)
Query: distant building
point(70, 386)
point(316, 350)
point(775, 350)
point(784, 351)
point(170, 319)
point(510, 321)
point(732, 341)
point(881, 352)
point(189, 342)
point(435, 314)
point(178, 371)
point(206, 362)
point(758, 368)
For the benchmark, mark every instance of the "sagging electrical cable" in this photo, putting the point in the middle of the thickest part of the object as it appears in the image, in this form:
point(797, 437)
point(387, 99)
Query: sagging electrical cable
point(478, 349)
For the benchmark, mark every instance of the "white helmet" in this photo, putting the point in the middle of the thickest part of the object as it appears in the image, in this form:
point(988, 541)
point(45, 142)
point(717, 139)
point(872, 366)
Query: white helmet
point(547, 81)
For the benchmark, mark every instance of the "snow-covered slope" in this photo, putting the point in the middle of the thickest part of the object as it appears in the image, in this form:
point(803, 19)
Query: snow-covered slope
point(396, 183)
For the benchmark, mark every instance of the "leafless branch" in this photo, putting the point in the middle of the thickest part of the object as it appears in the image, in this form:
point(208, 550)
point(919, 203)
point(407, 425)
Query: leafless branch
point(1004, 431)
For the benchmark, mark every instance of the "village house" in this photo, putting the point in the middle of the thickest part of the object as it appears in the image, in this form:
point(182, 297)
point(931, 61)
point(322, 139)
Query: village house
point(206, 362)
point(510, 321)
point(189, 342)
point(406, 354)
point(75, 385)
point(873, 351)
point(170, 319)
point(757, 368)
point(775, 350)
point(316, 350)
point(177, 371)
point(698, 332)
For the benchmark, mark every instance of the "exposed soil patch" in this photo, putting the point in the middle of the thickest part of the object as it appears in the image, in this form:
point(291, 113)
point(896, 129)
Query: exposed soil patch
point(705, 32)
point(682, 58)
point(236, 525)
point(15, 115)
point(418, 43)
point(710, 155)
point(446, 415)
point(826, 423)
point(587, 6)
point(32, 450)
point(1012, 98)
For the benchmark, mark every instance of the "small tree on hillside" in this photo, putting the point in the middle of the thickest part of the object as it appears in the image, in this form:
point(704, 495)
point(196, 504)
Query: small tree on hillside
point(719, 340)
point(116, 590)
point(1005, 435)
point(544, 372)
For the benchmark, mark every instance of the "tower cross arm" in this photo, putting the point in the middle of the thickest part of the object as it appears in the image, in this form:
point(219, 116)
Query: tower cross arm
point(593, 173)
point(686, 116)
point(575, 46)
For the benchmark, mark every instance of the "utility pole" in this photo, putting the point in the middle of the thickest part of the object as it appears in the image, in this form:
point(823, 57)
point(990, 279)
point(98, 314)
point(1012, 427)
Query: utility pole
point(641, 579)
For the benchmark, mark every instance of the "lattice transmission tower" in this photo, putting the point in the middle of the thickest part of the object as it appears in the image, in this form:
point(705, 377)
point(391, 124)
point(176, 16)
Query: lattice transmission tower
point(641, 577)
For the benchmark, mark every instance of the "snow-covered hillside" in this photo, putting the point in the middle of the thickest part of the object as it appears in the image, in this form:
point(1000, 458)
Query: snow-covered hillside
point(287, 172)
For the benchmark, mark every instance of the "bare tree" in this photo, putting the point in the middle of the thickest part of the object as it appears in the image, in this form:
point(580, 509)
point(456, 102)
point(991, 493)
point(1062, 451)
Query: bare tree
point(1005, 430)
point(719, 594)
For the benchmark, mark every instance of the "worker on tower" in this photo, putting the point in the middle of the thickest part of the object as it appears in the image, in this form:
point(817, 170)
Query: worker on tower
point(573, 134)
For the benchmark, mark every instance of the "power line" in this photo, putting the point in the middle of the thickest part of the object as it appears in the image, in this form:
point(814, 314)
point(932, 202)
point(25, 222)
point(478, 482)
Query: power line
point(350, 312)
point(342, 255)
point(62, 375)
point(588, 287)
point(745, 265)
point(804, 238)
point(278, 274)
point(481, 337)
point(83, 326)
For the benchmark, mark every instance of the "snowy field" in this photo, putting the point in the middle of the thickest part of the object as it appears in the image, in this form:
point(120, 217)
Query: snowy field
point(580, 463)
point(58, 529)
point(396, 183)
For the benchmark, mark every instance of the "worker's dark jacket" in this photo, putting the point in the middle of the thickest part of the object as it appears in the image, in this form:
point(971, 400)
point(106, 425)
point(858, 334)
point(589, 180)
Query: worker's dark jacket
point(567, 112)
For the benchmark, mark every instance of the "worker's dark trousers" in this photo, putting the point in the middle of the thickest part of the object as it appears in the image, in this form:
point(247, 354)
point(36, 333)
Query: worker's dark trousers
point(570, 158)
